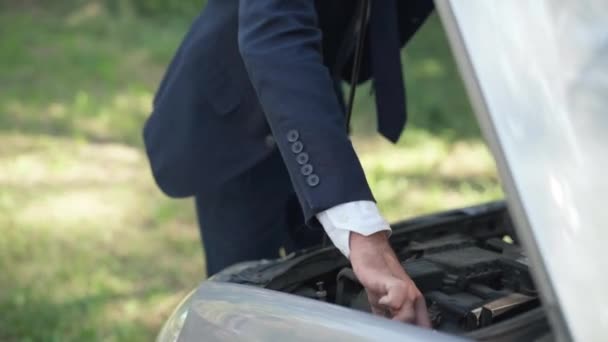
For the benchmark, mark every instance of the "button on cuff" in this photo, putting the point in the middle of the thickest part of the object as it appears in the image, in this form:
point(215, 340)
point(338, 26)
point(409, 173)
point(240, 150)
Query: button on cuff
point(293, 136)
point(297, 147)
point(302, 158)
point(306, 169)
point(313, 180)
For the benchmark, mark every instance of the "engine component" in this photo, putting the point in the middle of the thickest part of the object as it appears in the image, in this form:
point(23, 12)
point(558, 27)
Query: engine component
point(321, 294)
point(467, 286)
point(427, 275)
point(506, 306)
point(457, 308)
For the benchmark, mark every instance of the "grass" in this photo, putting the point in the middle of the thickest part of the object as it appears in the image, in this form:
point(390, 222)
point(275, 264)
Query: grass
point(89, 248)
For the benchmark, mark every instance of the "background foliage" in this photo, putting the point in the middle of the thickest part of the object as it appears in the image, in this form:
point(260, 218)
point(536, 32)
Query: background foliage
point(141, 8)
point(157, 8)
point(89, 247)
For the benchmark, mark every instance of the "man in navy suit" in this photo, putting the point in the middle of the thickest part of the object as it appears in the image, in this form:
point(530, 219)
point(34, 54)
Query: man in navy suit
point(250, 120)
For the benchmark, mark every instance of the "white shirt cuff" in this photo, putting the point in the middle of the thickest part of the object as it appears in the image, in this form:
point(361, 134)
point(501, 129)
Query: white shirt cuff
point(361, 217)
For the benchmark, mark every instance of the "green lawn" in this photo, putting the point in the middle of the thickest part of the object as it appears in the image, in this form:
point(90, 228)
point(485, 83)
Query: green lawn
point(89, 248)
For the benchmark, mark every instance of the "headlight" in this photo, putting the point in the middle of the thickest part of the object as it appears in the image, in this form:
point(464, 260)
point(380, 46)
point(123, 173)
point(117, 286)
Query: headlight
point(171, 329)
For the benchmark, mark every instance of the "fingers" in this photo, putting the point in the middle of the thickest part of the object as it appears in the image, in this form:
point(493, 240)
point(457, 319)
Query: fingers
point(373, 301)
point(390, 290)
point(406, 304)
point(422, 314)
point(396, 294)
point(406, 314)
point(378, 310)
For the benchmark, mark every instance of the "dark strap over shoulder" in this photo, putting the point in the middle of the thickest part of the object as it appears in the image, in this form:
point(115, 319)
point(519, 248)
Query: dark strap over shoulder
point(354, 39)
point(361, 20)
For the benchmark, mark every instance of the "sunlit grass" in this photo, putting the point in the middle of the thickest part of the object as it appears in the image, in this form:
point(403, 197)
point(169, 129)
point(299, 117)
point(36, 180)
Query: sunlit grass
point(426, 175)
point(89, 247)
point(88, 243)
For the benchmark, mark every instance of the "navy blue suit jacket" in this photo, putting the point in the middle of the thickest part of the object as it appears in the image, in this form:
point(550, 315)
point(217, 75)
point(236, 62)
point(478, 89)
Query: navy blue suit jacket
point(255, 75)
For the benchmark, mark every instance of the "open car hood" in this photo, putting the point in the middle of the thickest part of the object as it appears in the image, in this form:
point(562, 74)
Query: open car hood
point(537, 75)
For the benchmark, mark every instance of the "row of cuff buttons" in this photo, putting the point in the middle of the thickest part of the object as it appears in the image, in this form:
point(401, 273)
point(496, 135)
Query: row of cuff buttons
point(306, 169)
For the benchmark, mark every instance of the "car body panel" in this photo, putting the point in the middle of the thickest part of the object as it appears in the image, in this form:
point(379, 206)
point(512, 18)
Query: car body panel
point(230, 312)
point(537, 74)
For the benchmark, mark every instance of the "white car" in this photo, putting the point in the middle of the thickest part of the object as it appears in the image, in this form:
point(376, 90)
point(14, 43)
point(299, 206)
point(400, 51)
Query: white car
point(527, 269)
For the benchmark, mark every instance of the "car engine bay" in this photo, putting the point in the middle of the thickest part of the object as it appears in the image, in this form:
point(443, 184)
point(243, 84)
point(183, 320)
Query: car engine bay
point(467, 263)
point(467, 284)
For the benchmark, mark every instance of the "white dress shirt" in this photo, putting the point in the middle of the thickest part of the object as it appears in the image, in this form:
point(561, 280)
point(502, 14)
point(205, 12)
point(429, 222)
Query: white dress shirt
point(362, 217)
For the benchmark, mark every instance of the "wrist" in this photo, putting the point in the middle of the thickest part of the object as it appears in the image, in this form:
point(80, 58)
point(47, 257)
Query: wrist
point(378, 238)
point(365, 248)
point(373, 243)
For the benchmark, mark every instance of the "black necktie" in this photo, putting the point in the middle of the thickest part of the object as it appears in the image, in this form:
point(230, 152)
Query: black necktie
point(386, 68)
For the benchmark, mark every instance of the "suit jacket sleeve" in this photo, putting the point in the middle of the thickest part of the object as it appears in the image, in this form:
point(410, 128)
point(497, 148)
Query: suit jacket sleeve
point(280, 43)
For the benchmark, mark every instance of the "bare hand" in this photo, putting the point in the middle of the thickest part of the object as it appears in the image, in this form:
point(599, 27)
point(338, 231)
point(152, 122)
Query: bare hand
point(389, 288)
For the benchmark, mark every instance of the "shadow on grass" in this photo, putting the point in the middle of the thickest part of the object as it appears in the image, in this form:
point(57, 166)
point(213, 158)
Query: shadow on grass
point(83, 74)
